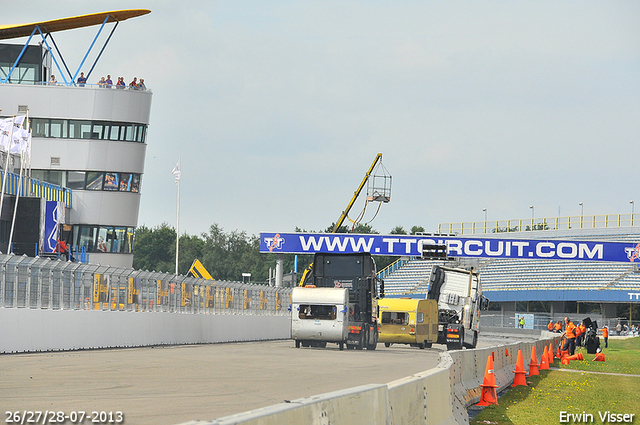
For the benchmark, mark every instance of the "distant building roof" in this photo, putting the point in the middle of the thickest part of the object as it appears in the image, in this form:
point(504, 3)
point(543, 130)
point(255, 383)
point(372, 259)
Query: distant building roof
point(25, 30)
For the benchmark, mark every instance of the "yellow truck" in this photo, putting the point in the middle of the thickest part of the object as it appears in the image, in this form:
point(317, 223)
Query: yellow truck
point(408, 321)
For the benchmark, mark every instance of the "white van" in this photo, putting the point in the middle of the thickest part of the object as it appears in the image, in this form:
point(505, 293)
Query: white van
point(319, 315)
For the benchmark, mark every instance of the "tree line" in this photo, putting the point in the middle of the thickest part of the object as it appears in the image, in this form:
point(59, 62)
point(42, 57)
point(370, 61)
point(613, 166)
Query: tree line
point(227, 255)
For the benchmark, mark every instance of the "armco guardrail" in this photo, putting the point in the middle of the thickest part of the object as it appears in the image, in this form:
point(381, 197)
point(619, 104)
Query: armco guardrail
point(102, 306)
point(438, 396)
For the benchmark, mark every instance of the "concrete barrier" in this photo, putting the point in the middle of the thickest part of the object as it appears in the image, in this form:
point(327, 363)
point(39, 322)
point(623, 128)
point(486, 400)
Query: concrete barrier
point(439, 396)
point(31, 330)
point(366, 404)
point(423, 398)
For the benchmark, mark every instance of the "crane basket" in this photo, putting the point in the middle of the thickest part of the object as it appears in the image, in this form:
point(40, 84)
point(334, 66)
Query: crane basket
point(379, 185)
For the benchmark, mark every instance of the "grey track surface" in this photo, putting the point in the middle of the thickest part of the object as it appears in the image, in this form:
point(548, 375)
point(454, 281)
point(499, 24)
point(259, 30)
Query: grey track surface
point(171, 385)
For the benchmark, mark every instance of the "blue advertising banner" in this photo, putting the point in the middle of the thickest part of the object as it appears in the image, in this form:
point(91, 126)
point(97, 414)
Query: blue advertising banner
point(457, 246)
point(52, 217)
point(582, 295)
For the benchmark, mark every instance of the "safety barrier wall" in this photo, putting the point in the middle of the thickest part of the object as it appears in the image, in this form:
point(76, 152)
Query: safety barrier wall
point(27, 330)
point(438, 396)
point(105, 306)
point(28, 282)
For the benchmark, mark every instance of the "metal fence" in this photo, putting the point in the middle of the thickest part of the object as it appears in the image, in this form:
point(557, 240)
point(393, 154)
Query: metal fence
point(28, 282)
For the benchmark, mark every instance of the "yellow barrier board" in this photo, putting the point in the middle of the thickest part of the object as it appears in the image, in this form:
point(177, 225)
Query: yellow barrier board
point(197, 270)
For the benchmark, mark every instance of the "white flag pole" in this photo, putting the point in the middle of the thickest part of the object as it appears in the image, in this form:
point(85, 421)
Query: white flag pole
point(27, 171)
point(178, 175)
point(15, 208)
point(6, 166)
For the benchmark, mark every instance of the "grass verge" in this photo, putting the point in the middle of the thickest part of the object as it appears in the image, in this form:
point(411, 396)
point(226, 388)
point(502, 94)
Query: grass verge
point(579, 393)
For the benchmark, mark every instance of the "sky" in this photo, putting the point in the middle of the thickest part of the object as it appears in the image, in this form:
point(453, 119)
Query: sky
point(278, 108)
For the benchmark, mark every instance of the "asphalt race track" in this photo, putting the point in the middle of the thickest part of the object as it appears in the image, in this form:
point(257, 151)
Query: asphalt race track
point(174, 384)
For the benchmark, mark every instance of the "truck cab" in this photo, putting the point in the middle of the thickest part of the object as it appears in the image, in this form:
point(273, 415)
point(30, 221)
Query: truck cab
point(357, 274)
point(459, 296)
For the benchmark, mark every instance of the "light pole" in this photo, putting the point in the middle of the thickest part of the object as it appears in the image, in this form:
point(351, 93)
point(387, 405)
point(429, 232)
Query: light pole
point(581, 213)
point(485, 219)
point(532, 212)
point(633, 204)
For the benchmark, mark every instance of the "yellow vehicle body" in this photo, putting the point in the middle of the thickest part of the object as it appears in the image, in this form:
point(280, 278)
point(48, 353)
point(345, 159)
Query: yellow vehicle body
point(408, 321)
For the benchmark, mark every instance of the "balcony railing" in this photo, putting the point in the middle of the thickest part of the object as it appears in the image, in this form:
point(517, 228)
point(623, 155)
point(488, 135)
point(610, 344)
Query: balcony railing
point(40, 189)
point(545, 223)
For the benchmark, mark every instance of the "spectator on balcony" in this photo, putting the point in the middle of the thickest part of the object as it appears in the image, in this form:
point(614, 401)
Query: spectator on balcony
point(102, 83)
point(134, 83)
point(141, 85)
point(121, 84)
point(82, 80)
point(108, 81)
point(52, 80)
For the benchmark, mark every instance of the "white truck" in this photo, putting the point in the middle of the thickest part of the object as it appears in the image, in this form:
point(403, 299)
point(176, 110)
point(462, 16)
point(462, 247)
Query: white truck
point(319, 315)
point(459, 296)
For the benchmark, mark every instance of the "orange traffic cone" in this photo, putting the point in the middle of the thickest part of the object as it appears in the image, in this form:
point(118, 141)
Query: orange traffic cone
point(550, 354)
point(533, 364)
point(559, 351)
point(507, 350)
point(519, 379)
point(489, 386)
point(599, 357)
point(575, 357)
point(544, 360)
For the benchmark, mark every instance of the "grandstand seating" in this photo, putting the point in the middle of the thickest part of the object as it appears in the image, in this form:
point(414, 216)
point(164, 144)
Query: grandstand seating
point(410, 278)
point(502, 275)
point(509, 275)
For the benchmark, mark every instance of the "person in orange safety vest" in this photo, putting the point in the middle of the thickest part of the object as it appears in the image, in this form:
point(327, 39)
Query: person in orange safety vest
point(605, 336)
point(583, 334)
point(569, 332)
point(558, 327)
point(579, 335)
point(550, 326)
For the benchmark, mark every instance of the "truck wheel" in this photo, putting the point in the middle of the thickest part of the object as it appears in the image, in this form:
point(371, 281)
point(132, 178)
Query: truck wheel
point(421, 346)
point(363, 339)
point(387, 344)
point(297, 343)
point(427, 344)
point(453, 346)
point(341, 346)
point(372, 334)
point(474, 342)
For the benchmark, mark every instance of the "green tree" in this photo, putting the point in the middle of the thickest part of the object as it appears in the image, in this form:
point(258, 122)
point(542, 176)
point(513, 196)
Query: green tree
point(155, 249)
point(398, 230)
point(191, 247)
point(364, 229)
point(417, 229)
point(342, 229)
